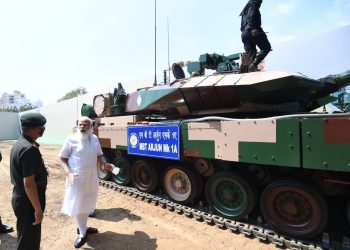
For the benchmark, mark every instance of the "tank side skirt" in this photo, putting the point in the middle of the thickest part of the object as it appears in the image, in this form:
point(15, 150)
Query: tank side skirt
point(323, 146)
point(269, 142)
point(284, 152)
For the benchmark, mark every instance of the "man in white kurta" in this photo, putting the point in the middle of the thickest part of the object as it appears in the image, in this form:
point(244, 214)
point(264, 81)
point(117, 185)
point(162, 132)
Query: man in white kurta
point(80, 155)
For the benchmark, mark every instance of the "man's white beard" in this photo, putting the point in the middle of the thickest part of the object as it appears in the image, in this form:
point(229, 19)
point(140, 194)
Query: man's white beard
point(84, 135)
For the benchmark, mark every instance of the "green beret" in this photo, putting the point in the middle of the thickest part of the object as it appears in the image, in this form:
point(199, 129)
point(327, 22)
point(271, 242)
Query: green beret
point(32, 120)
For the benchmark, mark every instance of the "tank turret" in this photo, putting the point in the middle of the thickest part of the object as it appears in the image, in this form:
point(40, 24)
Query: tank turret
point(277, 92)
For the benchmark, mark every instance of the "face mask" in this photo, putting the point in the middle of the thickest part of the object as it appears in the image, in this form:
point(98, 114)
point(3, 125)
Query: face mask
point(41, 130)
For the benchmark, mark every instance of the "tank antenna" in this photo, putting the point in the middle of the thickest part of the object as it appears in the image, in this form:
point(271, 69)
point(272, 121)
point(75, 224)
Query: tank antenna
point(167, 18)
point(155, 43)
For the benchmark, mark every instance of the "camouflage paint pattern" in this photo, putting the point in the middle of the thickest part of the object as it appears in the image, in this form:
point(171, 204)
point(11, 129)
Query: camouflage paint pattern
point(262, 141)
point(326, 143)
point(303, 142)
point(285, 151)
point(112, 131)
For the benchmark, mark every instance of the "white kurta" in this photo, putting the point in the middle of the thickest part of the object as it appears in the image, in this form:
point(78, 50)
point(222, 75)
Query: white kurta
point(80, 198)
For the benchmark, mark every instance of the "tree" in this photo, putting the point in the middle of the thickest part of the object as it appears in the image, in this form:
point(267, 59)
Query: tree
point(26, 107)
point(14, 109)
point(73, 93)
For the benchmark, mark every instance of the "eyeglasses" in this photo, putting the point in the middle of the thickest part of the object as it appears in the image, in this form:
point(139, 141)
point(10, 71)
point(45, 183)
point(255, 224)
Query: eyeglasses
point(83, 124)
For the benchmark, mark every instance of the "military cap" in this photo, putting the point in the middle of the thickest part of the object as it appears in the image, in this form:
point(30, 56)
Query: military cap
point(32, 120)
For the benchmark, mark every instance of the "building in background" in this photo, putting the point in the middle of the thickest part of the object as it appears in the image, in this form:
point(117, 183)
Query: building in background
point(16, 101)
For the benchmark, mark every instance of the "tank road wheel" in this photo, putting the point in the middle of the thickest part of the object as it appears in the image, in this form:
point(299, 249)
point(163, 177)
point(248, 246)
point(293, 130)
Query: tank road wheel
point(230, 194)
point(144, 176)
point(180, 184)
point(124, 175)
point(294, 208)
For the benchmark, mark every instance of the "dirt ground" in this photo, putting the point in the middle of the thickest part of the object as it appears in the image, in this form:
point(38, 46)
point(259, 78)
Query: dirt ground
point(123, 222)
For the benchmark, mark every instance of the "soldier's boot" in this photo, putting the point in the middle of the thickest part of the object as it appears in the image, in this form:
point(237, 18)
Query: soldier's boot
point(4, 228)
point(253, 67)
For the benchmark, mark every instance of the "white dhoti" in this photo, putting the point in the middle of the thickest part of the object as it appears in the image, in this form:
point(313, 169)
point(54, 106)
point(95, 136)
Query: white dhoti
point(81, 197)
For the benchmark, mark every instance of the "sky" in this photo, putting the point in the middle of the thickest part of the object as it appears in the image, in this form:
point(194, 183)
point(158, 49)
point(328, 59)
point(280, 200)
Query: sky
point(50, 47)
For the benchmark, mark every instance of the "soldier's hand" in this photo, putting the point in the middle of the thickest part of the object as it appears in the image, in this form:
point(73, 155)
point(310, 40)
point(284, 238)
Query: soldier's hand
point(47, 170)
point(254, 32)
point(38, 215)
point(71, 177)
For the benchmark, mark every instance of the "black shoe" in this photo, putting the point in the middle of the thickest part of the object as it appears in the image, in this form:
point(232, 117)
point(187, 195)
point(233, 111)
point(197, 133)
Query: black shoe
point(92, 215)
point(89, 230)
point(80, 241)
point(253, 68)
point(4, 229)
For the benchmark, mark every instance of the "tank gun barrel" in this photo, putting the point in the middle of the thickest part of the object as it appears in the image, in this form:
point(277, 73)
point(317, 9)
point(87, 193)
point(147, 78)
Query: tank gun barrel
point(330, 84)
point(335, 82)
point(342, 79)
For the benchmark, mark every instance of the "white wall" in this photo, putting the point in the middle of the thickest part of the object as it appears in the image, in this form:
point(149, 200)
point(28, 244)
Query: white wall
point(9, 126)
point(61, 118)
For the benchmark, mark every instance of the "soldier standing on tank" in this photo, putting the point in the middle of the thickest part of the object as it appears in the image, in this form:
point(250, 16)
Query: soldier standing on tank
point(4, 228)
point(253, 35)
point(29, 179)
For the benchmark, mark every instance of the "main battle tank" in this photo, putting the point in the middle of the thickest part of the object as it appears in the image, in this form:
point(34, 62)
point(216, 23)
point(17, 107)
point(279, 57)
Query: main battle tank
point(246, 145)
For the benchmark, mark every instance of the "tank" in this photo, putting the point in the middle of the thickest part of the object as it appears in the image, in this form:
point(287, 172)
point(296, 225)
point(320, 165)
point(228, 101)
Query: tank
point(246, 145)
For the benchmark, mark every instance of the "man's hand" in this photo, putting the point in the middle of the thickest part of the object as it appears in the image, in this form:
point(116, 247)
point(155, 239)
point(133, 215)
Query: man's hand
point(32, 193)
point(71, 177)
point(108, 166)
point(38, 215)
point(254, 32)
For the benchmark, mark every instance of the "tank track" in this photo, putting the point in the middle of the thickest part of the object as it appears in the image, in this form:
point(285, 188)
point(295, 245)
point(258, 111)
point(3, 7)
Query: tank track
point(248, 229)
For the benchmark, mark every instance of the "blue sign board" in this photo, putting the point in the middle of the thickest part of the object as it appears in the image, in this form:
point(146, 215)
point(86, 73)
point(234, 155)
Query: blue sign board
point(162, 141)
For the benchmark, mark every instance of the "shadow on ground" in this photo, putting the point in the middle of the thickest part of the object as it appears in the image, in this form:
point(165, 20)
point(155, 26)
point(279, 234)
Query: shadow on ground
point(115, 214)
point(111, 240)
point(8, 240)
